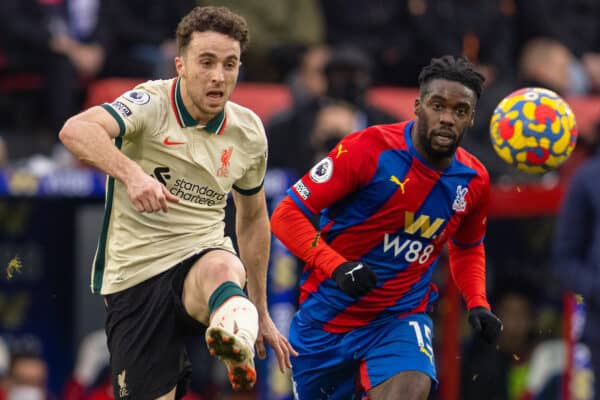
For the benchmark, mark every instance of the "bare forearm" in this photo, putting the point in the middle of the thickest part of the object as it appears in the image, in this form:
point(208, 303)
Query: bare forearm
point(97, 149)
point(254, 241)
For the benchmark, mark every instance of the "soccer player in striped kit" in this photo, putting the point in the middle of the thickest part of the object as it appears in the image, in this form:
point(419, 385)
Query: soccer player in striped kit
point(389, 197)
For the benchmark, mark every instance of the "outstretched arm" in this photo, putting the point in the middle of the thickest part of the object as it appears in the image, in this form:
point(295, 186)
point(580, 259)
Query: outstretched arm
point(297, 233)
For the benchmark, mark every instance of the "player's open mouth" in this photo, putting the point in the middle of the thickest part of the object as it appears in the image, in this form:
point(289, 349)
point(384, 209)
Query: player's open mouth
point(215, 94)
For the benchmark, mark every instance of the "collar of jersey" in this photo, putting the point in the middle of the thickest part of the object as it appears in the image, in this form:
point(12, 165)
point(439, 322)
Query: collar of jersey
point(183, 116)
point(415, 153)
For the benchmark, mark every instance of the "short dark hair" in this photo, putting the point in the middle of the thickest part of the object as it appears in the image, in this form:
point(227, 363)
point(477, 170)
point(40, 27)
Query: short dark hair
point(215, 19)
point(448, 67)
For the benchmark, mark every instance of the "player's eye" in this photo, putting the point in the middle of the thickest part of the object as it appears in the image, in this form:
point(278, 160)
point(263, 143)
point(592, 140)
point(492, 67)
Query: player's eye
point(461, 111)
point(437, 106)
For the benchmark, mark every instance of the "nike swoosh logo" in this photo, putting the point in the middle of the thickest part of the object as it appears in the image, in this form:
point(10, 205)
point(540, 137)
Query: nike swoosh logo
point(167, 142)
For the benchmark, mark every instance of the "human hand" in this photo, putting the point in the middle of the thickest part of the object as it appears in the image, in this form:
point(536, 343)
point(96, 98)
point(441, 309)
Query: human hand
point(268, 332)
point(354, 278)
point(149, 195)
point(485, 324)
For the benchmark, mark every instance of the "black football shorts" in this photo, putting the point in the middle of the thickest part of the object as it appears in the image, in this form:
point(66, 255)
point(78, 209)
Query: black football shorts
point(146, 326)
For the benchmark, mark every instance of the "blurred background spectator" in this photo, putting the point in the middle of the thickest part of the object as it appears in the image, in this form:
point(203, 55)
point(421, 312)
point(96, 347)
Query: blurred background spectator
point(307, 81)
point(381, 29)
point(342, 74)
point(60, 43)
point(27, 377)
point(142, 37)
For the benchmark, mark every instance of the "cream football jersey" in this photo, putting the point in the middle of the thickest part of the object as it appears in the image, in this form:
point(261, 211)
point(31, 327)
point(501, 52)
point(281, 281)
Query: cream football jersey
point(199, 164)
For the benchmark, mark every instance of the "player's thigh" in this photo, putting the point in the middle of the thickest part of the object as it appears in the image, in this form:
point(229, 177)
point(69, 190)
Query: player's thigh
point(412, 384)
point(400, 346)
point(212, 268)
point(321, 370)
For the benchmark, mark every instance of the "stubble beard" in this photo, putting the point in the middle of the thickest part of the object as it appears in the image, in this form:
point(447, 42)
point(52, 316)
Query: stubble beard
point(425, 139)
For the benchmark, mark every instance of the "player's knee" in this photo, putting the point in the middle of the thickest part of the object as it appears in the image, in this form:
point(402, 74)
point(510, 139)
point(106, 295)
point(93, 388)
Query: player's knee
point(207, 276)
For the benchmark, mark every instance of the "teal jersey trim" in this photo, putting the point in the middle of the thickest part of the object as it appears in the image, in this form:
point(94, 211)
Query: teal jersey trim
point(101, 253)
point(116, 116)
point(213, 126)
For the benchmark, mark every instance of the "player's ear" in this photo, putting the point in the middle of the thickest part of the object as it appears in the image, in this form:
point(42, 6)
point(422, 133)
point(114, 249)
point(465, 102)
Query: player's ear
point(417, 106)
point(179, 67)
point(472, 121)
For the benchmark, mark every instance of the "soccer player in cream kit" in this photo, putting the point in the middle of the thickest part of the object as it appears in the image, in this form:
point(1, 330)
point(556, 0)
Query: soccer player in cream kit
point(173, 150)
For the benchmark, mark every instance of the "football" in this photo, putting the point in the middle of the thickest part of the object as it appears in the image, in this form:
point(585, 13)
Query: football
point(533, 129)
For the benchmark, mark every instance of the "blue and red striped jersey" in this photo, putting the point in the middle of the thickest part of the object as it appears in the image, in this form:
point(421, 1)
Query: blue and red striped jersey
point(381, 203)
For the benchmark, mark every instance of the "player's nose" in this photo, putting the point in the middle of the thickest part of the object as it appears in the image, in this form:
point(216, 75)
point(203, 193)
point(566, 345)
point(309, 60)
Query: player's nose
point(218, 73)
point(447, 117)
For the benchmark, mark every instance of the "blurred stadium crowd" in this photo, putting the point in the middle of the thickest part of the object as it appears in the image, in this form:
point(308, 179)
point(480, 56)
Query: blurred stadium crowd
point(329, 55)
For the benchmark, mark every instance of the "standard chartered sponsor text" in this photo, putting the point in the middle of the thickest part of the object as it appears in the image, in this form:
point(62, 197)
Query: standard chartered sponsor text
point(196, 193)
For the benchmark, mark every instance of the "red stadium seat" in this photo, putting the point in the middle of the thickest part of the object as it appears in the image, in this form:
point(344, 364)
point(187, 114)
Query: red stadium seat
point(14, 82)
point(263, 98)
point(106, 90)
point(398, 101)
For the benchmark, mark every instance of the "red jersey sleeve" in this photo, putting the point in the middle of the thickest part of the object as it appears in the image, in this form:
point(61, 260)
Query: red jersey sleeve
point(342, 172)
point(466, 250)
point(298, 234)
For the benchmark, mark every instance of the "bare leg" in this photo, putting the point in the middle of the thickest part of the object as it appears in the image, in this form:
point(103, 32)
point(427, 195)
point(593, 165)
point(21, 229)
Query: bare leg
point(412, 384)
point(233, 325)
point(209, 272)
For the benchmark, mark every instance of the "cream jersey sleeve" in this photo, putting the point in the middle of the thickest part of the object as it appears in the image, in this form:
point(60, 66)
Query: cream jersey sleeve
point(139, 111)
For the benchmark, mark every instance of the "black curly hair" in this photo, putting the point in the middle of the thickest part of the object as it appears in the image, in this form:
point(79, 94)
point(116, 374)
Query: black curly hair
point(458, 69)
